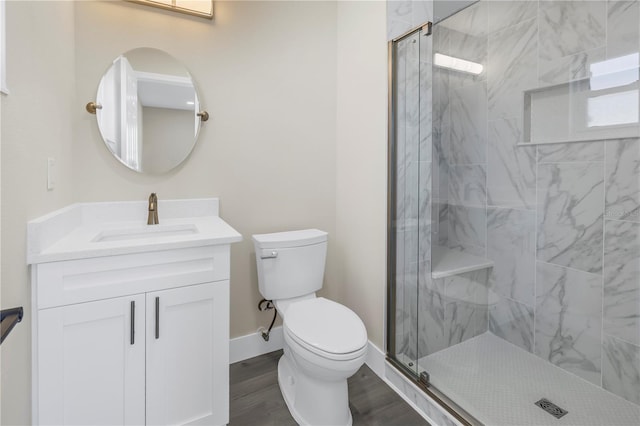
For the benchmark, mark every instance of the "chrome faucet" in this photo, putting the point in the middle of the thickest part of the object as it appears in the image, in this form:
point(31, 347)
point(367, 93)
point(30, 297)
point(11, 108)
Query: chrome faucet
point(153, 210)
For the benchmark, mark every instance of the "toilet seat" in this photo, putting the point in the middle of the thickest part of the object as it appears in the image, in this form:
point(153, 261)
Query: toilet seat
point(327, 356)
point(326, 328)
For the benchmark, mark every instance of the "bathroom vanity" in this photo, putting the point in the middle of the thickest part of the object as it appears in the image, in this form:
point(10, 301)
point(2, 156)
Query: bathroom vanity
point(131, 321)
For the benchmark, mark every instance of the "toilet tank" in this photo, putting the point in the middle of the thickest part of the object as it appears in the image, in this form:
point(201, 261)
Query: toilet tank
point(290, 264)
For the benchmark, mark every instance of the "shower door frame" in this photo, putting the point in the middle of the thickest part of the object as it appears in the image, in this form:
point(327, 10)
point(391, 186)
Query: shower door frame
point(441, 399)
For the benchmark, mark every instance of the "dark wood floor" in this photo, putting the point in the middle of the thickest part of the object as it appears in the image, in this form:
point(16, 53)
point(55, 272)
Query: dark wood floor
point(255, 398)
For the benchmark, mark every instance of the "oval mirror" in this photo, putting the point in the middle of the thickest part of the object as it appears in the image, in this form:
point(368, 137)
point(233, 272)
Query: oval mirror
point(148, 110)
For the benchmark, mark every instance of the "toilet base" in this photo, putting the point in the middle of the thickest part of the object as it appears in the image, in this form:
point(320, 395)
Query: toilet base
point(287, 379)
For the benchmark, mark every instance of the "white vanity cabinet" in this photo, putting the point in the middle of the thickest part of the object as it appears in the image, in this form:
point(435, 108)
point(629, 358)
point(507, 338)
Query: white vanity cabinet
point(188, 355)
point(88, 370)
point(132, 337)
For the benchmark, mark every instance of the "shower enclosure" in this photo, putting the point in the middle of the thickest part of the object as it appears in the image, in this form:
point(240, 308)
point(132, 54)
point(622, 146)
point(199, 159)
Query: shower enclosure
point(514, 211)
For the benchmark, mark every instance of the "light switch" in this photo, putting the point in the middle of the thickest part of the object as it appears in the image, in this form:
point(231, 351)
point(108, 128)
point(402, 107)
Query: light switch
point(51, 173)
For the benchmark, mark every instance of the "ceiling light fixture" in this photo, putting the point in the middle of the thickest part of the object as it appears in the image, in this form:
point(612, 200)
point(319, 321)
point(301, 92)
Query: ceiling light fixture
point(202, 8)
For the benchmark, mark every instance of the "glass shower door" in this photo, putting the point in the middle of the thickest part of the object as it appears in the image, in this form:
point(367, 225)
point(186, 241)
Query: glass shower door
point(514, 233)
point(410, 204)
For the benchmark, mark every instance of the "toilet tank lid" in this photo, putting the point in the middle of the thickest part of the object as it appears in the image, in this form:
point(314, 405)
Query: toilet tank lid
point(300, 238)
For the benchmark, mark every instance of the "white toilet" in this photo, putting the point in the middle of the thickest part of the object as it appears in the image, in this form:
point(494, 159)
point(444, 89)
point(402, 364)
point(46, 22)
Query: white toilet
point(324, 342)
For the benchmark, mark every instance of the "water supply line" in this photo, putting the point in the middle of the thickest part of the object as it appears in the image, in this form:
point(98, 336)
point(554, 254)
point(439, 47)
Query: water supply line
point(266, 305)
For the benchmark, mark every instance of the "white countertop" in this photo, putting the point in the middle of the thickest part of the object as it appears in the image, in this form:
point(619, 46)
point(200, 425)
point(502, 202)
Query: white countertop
point(89, 230)
point(446, 262)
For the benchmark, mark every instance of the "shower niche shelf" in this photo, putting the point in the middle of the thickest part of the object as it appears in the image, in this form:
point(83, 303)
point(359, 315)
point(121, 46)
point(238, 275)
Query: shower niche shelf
point(601, 107)
point(446, 262)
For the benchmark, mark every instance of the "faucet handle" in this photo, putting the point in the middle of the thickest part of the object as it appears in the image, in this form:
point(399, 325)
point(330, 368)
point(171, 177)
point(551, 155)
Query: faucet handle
point(153, 210)
point(153, 201)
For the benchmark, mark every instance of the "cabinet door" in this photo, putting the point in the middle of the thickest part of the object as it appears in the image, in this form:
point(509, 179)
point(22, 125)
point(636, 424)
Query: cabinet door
point(90, 365)
point(188, 355)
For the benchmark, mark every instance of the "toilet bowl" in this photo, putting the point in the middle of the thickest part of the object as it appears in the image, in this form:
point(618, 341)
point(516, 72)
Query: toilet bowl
point(322, 350)
point(325, 342)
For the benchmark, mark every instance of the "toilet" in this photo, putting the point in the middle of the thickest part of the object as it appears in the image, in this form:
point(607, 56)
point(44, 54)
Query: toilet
point(325, 342)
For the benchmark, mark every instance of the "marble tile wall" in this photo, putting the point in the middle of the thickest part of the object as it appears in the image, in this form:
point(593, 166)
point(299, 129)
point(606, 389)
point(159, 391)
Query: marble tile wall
point(512, 247)
point(570, 214)
point(465, 306)
point(561, 222)
point(461, 134)
point(451, 310)
point(568, 320)
point(404, 15)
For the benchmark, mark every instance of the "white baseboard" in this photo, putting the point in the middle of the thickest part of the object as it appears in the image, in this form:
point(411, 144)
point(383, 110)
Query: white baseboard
point(252, 345)
point(375, 360)
point(408, 391)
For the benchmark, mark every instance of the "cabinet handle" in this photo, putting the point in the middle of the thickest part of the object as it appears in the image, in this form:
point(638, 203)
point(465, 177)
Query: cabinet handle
point(133, 321)
point(157, 317)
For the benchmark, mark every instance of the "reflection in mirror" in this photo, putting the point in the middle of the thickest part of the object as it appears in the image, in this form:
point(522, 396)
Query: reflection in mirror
point(149, 110)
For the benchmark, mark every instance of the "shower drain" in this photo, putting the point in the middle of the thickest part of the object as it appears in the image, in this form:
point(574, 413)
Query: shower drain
point(551, 408)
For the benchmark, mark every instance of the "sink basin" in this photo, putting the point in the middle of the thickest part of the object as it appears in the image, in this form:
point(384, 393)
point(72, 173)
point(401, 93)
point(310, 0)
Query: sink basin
point(88, 230)
point(147, 231)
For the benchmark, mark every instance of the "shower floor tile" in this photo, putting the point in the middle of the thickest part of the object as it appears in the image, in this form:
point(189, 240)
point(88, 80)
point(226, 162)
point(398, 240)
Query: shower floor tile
point(498, 383)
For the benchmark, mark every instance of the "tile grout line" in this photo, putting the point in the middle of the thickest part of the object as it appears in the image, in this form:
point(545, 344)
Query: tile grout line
point(567, 267)
point(574, 161)
point(537, 156)
point(489, 274)
point(622, 340)
point(621, 220)
point(535, 265)
point(604, 234)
